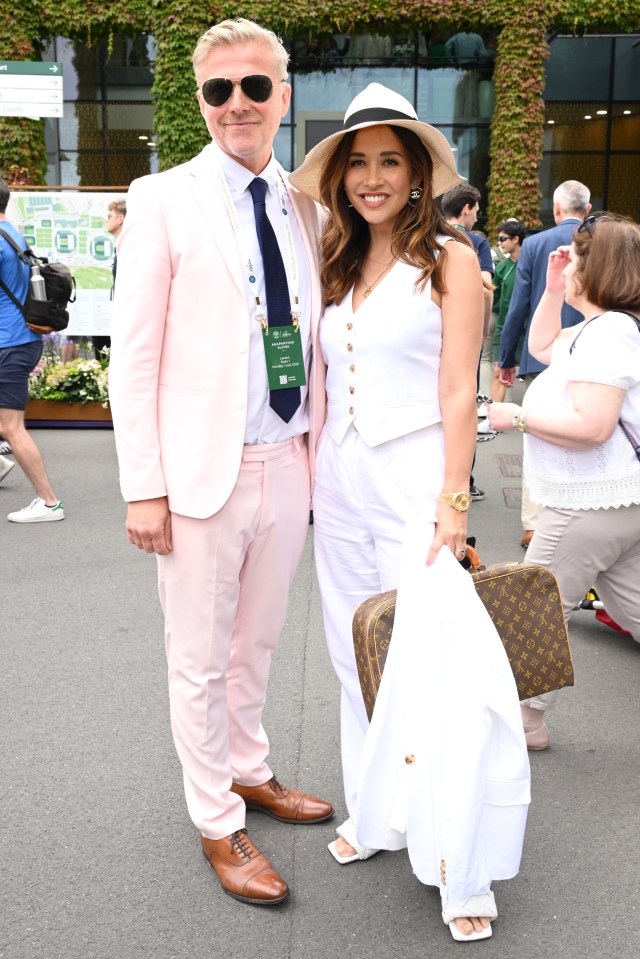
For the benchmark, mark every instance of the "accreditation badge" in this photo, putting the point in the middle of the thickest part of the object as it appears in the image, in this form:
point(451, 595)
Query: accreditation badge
point(284, 357)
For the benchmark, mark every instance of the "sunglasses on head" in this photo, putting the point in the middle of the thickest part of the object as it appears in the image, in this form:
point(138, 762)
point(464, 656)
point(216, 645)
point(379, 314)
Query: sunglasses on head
point(503, 239)
point(256, 87)
point(589, 223)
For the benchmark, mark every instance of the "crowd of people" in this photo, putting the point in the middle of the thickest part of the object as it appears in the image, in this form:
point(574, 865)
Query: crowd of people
point(281, 341)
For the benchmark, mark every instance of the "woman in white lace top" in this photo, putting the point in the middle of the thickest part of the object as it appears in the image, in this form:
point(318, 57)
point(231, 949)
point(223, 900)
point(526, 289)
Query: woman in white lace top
point(581, 420)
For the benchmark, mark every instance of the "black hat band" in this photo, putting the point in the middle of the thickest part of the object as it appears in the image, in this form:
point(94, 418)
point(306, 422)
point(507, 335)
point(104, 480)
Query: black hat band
point(375, 115)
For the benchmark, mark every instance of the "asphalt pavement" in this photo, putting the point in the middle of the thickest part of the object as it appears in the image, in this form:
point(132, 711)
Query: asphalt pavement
point(98, 857)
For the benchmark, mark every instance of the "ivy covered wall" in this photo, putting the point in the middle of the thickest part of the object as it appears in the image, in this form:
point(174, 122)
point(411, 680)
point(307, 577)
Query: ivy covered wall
point(518, 122)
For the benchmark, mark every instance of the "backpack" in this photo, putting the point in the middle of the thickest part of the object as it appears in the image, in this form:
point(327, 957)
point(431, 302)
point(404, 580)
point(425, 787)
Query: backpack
point(49, 315)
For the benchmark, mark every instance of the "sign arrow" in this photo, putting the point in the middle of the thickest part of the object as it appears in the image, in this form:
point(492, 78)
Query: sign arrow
point(53, 69)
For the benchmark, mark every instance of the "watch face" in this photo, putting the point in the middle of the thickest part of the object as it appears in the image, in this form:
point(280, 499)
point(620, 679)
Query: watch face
point(462, 501)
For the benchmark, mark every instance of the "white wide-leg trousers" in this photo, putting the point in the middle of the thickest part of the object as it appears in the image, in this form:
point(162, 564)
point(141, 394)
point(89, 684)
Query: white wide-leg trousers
point(362, 499)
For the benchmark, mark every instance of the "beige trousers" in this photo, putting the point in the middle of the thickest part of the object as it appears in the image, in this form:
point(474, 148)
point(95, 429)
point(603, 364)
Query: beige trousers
point(591, 548)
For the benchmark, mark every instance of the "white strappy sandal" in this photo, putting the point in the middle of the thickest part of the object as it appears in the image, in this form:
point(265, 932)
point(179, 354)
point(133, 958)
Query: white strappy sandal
point(348, 833)
point(476, 907)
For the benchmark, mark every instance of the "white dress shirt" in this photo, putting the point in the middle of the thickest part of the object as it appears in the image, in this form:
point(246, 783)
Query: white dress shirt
point(263, 424)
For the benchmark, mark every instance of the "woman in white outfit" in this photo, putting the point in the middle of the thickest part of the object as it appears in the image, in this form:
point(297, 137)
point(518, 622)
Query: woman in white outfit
point(580, 463)
point(400, 337)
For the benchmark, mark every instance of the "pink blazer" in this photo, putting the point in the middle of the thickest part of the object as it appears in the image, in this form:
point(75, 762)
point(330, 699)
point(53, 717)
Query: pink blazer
point(180, 336)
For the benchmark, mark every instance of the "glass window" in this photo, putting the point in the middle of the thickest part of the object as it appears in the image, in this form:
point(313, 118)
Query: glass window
point(626, 84)
point(588, 168)
point(447, 95)
point(282, 146)
point(98, 168)
point(625, 126)
point(318, 90)
point(624, 176)
point(575, 126)
point(578, 69)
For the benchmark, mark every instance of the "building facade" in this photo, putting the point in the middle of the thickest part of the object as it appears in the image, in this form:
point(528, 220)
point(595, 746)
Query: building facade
point(517, 128)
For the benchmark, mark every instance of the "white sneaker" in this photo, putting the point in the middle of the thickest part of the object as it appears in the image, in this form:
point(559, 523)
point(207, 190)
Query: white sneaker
point(5, 467)
point(37, 512)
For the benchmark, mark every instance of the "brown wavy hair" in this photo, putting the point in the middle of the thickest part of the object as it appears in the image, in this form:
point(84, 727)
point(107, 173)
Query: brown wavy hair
point(608, 267)
point(345, 238)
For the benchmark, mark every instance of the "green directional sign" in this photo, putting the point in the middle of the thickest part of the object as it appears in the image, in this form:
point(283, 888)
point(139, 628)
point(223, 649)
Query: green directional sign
point(30, 68)
point(30, 88)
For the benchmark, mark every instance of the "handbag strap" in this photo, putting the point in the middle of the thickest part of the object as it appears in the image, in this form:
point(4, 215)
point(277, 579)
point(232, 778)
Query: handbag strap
point(634, 442)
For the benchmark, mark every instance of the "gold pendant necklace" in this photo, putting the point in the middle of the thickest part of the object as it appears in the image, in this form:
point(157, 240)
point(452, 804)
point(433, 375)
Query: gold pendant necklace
point(369, 287)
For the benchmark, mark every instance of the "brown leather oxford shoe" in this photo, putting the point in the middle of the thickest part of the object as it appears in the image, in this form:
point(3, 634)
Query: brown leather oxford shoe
point(244, 872)
point(287, 805)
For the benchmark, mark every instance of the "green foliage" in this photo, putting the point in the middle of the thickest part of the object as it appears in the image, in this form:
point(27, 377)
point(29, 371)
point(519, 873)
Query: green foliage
point(517, 127)
point(179, 127)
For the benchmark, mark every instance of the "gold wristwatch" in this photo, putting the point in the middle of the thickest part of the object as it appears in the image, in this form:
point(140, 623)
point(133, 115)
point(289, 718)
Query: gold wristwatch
point(459, 501)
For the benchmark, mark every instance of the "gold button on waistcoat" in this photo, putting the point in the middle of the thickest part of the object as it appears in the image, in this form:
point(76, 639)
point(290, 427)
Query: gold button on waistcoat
point(349, 326)
point(410, 759)
point(351, 410)
point(352, 368)
point(352, 389)
point(350, 347)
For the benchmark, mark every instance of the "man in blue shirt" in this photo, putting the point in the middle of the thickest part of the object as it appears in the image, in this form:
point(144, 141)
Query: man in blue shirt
point(20, 351)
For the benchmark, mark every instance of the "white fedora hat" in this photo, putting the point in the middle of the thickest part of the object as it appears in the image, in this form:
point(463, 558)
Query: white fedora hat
point(374, 106)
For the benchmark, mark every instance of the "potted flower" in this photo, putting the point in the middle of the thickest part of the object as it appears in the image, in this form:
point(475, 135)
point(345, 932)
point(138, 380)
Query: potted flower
point(75, 390)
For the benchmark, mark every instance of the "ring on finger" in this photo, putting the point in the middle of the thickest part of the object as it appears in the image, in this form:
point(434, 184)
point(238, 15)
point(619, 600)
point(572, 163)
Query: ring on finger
point(461, 551)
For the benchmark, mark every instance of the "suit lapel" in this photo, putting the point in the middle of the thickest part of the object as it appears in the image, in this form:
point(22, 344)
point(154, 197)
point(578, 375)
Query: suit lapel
point(304, 221)
point(208, 196)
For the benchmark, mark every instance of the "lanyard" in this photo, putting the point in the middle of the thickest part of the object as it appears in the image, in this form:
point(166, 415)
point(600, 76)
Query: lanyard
point(259, 309)
point(507, 275)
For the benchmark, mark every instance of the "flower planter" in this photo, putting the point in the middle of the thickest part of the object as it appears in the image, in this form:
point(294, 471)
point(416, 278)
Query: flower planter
point(52, 413)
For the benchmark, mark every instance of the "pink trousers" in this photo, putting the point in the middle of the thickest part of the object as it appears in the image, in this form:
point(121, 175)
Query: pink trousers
point(224, 591)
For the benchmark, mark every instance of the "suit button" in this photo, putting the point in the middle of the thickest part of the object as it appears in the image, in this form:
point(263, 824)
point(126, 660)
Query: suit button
point(410, 759)
point(352, 389)
point(349, 326)
point(240, 404)
point(351, 410)
point(242, 348)
point(350, 347)
point(352, 368)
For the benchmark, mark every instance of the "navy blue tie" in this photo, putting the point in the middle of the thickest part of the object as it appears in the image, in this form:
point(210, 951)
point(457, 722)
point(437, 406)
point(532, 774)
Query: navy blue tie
point(284, 402)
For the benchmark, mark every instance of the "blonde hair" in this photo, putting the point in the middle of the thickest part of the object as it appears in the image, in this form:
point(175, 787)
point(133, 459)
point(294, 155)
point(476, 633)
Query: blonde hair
point(119, 207)
point(229, 32)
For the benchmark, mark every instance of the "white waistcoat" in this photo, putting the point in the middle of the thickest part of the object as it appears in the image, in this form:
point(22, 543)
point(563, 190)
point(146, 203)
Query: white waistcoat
point(383, 360)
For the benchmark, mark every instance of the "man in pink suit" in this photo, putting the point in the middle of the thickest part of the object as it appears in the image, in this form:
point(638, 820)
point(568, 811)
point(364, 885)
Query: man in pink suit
point(212, 447)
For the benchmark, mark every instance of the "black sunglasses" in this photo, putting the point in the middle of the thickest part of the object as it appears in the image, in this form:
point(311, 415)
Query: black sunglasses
point(503, 239)
point(589, 223)
point(218, 90)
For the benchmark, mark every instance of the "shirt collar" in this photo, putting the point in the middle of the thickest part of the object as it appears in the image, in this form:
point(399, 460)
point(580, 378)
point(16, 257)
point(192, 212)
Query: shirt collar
point(239, 178)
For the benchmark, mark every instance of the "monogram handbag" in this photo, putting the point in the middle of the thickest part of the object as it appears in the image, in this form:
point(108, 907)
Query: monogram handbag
point(523, 601)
